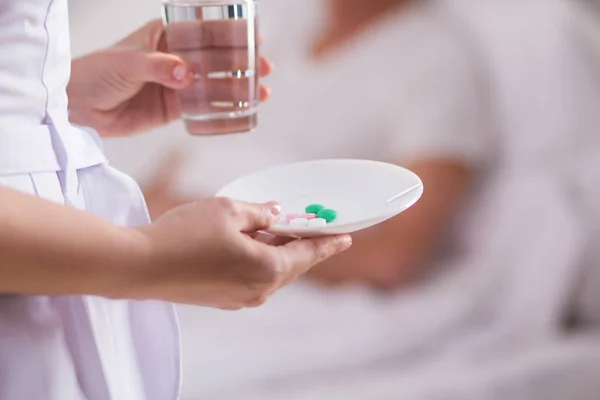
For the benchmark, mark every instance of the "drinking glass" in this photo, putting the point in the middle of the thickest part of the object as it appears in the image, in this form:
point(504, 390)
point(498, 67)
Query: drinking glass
point(219, 39)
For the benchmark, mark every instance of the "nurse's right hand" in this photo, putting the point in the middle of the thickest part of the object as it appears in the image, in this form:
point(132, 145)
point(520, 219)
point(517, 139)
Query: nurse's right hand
point(206, 253)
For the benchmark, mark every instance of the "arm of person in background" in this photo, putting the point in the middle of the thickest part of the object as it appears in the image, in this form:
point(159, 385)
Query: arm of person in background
point(435, 113)
point(160, 191)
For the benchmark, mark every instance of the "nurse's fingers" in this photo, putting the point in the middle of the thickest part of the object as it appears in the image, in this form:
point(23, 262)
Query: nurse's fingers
point(252, 218)
point(265, 67)
point(219, 75)
point(300, 256)
point(221, 95)
point(171, 71)
point(162, 68)
point(265, 93)
point(211, 62)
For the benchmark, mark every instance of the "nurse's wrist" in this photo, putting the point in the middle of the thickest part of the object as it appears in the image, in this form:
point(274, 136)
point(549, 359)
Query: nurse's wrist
point(131, 264)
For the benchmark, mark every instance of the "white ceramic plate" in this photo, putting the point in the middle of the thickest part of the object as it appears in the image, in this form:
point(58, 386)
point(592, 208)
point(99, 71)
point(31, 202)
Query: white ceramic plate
point(364, 193)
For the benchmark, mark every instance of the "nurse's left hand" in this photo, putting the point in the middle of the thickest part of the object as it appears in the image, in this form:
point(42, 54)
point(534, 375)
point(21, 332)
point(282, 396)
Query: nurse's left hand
point(130, 87)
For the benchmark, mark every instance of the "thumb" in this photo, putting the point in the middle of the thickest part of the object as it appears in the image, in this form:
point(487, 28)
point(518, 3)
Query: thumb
point(162, 68)
point(250, 218)
point(302, 255)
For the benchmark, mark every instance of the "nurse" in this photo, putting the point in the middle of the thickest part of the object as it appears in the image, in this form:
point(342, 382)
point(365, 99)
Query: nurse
point(74, 234)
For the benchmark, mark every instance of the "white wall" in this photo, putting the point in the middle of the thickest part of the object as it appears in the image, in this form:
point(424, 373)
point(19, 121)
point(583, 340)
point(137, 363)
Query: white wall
point(99, 23)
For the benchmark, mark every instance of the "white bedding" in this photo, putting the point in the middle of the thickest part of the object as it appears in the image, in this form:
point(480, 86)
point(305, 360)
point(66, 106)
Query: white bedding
point(305, 330)
point(566, 369)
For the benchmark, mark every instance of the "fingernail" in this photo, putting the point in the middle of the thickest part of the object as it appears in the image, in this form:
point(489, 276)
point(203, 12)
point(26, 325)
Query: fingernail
point(346, 242)
point(275, 209)
point(180, 72)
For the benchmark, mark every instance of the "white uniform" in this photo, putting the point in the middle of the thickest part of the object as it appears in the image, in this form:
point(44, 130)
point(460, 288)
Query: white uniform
point(69, 348)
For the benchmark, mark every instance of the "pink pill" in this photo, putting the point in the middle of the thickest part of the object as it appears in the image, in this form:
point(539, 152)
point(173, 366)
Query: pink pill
point(290, 217)
point(309, 216)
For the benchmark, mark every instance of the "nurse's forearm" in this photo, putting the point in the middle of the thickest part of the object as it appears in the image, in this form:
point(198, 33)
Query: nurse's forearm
point(49, 249)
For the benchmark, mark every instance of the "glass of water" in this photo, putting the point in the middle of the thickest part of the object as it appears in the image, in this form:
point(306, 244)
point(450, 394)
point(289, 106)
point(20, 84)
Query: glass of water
point(219, 39)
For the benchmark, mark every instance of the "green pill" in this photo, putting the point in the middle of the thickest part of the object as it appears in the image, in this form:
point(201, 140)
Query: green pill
point(314, 209)
point(327, 214)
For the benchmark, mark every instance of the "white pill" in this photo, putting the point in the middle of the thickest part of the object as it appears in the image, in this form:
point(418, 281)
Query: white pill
point(299, 222)
point(317, 223)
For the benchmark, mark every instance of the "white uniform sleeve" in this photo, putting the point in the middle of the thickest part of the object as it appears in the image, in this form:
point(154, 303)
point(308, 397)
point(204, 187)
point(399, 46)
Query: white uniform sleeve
point(434, 100)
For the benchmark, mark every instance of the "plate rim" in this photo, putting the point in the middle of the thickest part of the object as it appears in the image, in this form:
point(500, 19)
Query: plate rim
point(336, 160)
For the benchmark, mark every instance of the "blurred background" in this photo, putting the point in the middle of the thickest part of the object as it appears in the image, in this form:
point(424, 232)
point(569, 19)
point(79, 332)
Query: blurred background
point(489, 288)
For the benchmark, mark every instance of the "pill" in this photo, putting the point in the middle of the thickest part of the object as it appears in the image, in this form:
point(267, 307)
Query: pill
point(313, 209)
point(299, 222)
point(317, 223)
point(327, 214)
point(308, 216)
point(290, 217)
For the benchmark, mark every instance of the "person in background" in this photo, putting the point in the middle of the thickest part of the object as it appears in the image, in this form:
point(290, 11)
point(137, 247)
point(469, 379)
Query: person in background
point(489, 105)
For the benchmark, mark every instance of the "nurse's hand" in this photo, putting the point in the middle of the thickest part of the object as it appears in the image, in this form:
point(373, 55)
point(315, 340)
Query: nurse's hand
point(129, 87)
point(206, 253)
